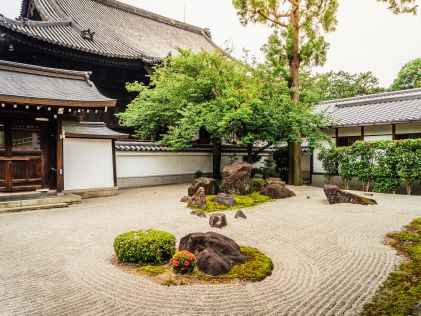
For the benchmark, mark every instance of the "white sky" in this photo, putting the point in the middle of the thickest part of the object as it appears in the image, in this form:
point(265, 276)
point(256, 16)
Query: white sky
point(368, 37)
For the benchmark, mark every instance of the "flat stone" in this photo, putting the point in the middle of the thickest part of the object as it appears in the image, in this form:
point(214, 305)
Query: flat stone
point(335, 196)
point(276, 191)
point(198, 213)
point(225, 199)
point(218, 220)
point(240, 214)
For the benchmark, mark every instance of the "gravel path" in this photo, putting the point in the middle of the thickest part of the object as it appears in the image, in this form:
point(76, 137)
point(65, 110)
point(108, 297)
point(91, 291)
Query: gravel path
point(329, 260)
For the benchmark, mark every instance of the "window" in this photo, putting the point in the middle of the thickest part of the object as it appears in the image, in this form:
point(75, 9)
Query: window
point(26, 140)
point(347, 141)
point(408, 136)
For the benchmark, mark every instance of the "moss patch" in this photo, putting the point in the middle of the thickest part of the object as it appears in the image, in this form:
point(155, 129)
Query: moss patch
point(401, 291)
point(257, 267)
point(152, 270)
point(243, 201)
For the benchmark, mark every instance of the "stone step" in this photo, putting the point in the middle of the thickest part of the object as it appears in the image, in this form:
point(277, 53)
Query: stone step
point(57, 199)
point(33, 207)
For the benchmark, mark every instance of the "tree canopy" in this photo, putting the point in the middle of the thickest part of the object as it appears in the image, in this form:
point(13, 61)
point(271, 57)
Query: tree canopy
point(231, 101)
point(409, 77)
point(336, 85)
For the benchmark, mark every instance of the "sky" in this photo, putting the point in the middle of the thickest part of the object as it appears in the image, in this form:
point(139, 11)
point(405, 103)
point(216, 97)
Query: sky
point(368, 37)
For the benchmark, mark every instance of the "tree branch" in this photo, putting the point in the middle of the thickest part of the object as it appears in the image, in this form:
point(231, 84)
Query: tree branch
point(266, 17)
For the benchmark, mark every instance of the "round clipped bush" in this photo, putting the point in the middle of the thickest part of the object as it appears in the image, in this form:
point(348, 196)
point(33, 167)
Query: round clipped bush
point(145, 246)
point(183, 262)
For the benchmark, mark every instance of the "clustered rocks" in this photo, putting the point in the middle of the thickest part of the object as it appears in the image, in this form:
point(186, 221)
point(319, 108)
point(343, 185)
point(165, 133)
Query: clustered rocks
point(216, 254)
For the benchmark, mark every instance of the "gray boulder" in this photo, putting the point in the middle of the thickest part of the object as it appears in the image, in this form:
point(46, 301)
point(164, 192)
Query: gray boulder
point(276, 191)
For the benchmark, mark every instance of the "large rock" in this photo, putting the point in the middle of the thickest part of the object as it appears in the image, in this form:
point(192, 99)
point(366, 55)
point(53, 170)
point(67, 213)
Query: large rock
point(335, 195)
point(216, 253)
point(276, 191)
point(218, 220)
point(225, 199)
point(198, 200)
point(207, 183)
point(236, 178)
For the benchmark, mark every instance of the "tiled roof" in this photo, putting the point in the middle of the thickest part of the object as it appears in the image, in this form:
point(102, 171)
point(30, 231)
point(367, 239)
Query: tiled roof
point(40, 85)
point(383, 108)
point(135, 146)
point(90, 130)
point(118, 30)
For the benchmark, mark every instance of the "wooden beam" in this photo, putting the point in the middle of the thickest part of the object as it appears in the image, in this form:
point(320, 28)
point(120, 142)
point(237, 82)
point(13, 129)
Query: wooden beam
point(337, 136)
point(393, 131)
point(21, 100)
point(362, 133)
point(114, 163)
point(60, 159)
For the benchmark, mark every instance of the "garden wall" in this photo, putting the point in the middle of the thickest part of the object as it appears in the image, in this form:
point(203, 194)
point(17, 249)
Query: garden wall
point(140, 169)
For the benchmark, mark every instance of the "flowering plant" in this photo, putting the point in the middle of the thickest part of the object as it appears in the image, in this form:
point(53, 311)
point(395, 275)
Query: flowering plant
point(183, 262)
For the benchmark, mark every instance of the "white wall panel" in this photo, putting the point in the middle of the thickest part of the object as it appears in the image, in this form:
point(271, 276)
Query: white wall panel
point(378, 130)
point(88, 163)
point(408, 128)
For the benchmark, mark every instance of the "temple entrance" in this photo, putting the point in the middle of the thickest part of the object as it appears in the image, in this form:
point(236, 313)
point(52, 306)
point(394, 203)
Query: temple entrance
point(26, 160)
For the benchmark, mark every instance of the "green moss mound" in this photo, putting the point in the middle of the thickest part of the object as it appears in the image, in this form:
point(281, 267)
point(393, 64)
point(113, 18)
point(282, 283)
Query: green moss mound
point(145, 246)
point(401, 291)
point(242, 201)
point(152, 270)
point(257, 267)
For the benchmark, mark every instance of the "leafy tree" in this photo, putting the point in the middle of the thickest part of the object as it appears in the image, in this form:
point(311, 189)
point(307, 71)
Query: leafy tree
point(341, 84)
point(330, 161)
point(233, 102)
point(409, 76)
point(299, 40)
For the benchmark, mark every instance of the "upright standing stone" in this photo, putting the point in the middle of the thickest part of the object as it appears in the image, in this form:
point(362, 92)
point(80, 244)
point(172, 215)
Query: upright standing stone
point(236, 178)
point(207, 183)
point(198, 200)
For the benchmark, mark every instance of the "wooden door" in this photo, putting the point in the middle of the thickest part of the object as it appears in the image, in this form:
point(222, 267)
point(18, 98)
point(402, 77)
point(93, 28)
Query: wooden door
point(23, 165)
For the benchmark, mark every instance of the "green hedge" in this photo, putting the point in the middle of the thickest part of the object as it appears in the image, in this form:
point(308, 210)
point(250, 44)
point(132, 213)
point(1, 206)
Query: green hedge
point(145, 246)
point(386, 164)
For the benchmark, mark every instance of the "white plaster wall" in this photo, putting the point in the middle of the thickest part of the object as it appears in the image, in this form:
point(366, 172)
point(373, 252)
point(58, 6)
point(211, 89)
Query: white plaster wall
point(349, 131)
point(317, 164)
point(145, 164)
point(408, 128)
point(88, 163)
point(377, 130)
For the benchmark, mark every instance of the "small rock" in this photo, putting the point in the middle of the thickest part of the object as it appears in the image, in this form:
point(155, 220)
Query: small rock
point(368, 194)
point(241, 214)
point(308, 198)
point(276, 191)
point(198, 200)
point(335, 195)
point(225, 199)
point(198, 213)
point(185, 199)
point(218, 220)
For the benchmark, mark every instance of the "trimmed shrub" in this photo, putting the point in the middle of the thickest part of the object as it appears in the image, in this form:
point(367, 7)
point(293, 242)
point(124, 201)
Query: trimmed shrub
point(183, 262)
point(145, 246)
point(257, 184)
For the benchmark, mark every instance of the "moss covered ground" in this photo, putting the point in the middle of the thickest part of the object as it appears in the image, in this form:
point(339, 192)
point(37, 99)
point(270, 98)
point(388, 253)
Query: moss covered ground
point(401, 291)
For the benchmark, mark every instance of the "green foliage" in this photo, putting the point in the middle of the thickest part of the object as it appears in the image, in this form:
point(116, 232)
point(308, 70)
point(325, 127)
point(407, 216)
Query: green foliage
point(145, 246)
point(243, 201)
point(281, 161)
point(198, 174)
point(257, 267)
point(409, 77)
point(338, 85)
point(183, 262)
point(401, 291)
point(257, 184)
point(266, 171)
point(152, 270)
point(330, 161)
point(387, 164)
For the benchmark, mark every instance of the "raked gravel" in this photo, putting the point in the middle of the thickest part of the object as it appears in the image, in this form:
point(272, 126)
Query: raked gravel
point(329, 260)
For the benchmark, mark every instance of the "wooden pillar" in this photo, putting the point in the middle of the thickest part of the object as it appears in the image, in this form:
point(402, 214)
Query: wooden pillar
point(337, 136)
point(394, 131)
point(362, 133)
point(60, 160)
point(114, 163)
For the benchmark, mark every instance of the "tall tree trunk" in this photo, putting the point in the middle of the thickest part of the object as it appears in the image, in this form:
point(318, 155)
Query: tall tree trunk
point(217, 152)
point(294, 67)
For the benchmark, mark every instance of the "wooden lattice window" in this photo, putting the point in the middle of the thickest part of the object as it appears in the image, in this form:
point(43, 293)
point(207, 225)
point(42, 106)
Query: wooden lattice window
point(408, 136)
point(347, 141)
